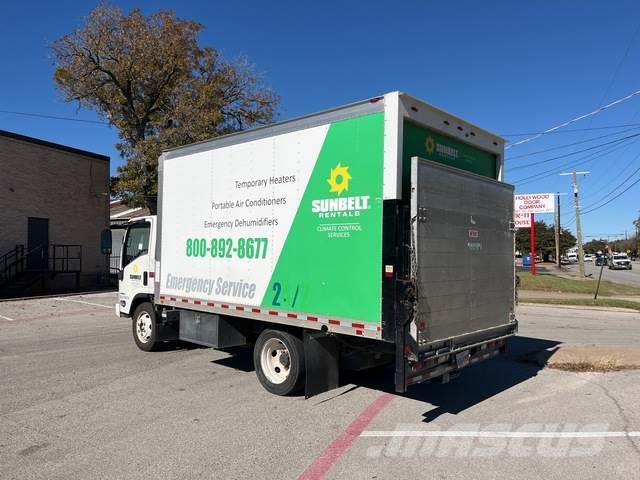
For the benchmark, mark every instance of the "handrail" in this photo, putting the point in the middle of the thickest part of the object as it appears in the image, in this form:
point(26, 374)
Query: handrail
point(66, 262)
point(12, 262)
point(60, 259)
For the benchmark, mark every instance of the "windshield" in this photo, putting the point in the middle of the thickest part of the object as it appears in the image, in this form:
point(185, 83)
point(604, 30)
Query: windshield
point(619, 257)
point(136, 242)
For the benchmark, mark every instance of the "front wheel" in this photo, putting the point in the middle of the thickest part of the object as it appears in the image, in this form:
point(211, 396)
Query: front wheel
point(144, 327)
point(279, 361)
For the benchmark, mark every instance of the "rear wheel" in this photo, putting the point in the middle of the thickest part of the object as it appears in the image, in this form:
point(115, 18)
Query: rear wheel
point(279, 361)
point(144, 327)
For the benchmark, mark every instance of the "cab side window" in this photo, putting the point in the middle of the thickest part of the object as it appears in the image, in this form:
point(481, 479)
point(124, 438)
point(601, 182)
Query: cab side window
point(136, 243)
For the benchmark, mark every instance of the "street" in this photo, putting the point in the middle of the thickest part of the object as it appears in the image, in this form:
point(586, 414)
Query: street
point(628, 277)
point(79, 400)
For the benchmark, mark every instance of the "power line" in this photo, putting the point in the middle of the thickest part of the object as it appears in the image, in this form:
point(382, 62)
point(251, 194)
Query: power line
point(570, 144)
point(617, 70)
point(622, 60)
point(576, 152)
point(573, 130)
point(612, 191)
point(577, 119)
point(612, 180)
point(53, 117)
point(599, 181)
point(612, 199)
point(580, 161)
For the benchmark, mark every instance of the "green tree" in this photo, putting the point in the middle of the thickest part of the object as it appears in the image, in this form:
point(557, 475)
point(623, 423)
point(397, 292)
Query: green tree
point(593, 246)
point(545, 239)
point(150, 79)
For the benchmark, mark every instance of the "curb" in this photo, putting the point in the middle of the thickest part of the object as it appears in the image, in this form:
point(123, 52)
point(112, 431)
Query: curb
point(68, 294)
point(585, 358)
point(580, 307)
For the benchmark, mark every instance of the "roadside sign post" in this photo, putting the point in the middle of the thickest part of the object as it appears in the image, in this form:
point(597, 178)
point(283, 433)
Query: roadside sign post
point(595, 297)
point(524, 209)
point(533, 245)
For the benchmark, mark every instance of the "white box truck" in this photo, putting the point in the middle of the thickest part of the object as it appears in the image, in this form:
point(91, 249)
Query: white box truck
point(375, 232)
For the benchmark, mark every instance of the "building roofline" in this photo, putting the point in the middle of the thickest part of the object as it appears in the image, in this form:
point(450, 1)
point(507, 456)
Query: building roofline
point(57, 146)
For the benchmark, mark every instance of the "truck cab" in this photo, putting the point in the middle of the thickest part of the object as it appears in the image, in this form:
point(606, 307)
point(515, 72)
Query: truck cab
point(137, 266)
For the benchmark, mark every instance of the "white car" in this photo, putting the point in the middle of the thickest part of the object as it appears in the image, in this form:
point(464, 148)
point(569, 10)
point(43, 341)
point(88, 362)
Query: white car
point(619, 261)
point(588, 257)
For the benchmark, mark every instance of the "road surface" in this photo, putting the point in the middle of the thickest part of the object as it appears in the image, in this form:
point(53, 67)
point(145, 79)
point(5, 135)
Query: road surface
point(627, 277)
point(78, 400)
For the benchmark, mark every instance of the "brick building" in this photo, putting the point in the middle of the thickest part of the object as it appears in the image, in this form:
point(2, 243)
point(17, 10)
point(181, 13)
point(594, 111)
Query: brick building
point(54, 204)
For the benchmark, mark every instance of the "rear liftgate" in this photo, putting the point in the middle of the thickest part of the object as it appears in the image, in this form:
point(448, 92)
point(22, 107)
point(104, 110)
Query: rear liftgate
point(461, 287)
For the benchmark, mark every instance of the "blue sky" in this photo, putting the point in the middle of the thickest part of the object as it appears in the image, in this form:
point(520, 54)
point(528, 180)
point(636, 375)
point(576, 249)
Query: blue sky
point(510, 67)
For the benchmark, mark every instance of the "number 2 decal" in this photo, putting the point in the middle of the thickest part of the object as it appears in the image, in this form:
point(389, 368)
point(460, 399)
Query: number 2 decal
point(277, 288)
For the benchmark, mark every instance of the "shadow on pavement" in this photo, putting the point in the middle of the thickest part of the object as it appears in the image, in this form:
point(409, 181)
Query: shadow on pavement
point(475, 384)
point(238, 359)
point(524, 358)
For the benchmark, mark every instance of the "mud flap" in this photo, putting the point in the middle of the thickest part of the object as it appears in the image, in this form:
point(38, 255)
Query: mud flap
point(322, 363)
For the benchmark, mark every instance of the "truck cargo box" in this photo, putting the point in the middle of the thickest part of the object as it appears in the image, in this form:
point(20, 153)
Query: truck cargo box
point(286, 223)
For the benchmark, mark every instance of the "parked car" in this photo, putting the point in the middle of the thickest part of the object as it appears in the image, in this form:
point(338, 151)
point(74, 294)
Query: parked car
point(589, 257)
point(601, 261)
point(573, 257)
point(619, 261)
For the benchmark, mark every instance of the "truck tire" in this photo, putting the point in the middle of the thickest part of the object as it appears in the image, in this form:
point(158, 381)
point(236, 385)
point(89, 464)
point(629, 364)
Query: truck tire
point(144, 327)
point(279, 361)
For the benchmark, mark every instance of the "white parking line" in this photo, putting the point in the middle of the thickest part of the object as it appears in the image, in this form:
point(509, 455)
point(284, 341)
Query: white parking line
point(61, 299)
point(418, 433)
point(7, 318)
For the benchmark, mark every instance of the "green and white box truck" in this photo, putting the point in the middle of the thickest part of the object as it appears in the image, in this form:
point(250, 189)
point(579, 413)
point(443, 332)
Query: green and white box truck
point(375, 232)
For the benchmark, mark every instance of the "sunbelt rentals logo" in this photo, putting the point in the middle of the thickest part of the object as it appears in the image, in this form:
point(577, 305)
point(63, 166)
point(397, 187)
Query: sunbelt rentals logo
point(441, 149)
point(340, 206)
point(430, 145)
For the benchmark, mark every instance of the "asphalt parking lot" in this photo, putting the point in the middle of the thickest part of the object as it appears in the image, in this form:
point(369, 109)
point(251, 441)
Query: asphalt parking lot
point(79, 400)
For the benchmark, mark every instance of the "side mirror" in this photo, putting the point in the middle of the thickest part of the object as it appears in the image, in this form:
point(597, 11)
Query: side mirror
point(120, 275)
point(106, 241)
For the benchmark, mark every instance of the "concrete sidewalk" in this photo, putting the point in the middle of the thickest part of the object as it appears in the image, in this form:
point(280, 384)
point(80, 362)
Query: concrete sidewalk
point(587, 338)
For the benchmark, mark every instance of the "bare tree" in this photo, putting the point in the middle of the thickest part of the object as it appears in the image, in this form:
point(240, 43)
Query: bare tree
point(151, 80)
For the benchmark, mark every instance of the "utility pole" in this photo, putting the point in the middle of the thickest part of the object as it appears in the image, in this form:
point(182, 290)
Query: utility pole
point(576, 201)
point(558, 230)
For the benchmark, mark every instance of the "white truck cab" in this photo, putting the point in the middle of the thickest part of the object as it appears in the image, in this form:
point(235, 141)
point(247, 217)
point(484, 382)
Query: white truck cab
point(137, 266)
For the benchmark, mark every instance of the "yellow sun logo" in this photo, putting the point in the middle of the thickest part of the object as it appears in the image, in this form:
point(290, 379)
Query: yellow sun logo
point(342, 174)
point(135, 268)
point(430, 145)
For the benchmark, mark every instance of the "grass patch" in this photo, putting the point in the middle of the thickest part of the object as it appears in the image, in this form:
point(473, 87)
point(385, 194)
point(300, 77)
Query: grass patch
point(601, 302)
point(547, 282)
